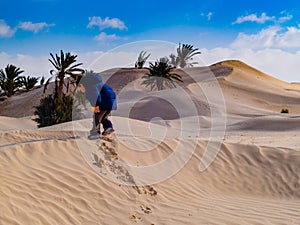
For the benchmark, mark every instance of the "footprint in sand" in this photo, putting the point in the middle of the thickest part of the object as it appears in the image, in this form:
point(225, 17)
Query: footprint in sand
point(146, 209)
point(97, 160)
point(109, 139)
point(106, 156)
point(148, 190)
point(135, 218)
point(109, 152)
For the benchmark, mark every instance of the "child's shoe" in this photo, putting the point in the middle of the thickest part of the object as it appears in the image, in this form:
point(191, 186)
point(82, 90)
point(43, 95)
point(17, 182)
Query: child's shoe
point(108, 131)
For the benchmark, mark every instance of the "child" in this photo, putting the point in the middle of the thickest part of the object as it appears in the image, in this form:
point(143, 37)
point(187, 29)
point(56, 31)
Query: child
point(102, 99)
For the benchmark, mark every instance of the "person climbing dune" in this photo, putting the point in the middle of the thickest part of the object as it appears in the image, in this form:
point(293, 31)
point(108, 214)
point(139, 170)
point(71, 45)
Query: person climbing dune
point(102, 99)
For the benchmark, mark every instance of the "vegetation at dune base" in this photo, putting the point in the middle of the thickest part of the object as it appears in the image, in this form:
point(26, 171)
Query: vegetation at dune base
point(284, 111)
point(161, 75)
point(53, 110)
point(60, 107)
point(142, 58)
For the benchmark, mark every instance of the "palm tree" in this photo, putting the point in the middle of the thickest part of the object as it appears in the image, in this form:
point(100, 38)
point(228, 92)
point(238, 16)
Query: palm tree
point(160, 75)
point(142, 59)
point(64, 67)
point(174, 60)
point(185, 53)
point(28, 82)
point(9, 79)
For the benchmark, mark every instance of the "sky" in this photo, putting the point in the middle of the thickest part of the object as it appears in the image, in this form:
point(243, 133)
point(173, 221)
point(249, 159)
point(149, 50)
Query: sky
point(262, 33)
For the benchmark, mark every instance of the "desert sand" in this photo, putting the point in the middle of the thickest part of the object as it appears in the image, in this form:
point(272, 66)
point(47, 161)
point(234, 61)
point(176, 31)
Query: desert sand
point(238, 156)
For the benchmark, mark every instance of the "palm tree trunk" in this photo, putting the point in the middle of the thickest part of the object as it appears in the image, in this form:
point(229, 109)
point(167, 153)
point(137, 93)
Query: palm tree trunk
point(60, 86)
point(60, 89)
point(9, 93)
point(10, 88)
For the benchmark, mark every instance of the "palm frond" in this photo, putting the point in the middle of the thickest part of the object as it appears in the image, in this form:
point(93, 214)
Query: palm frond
point(185, 54)
point(46, 85)
point(160, 75)
point(65, 65)
point(142, 58)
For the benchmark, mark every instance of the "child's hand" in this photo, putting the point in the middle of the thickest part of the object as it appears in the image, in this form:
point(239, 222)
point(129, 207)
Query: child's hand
point(97, 110)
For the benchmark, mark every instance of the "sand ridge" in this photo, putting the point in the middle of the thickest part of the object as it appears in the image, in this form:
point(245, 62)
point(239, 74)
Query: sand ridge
point(51, 178)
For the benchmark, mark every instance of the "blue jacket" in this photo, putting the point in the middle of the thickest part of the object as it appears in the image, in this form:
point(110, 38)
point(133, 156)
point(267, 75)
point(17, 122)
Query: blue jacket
point(97, 93)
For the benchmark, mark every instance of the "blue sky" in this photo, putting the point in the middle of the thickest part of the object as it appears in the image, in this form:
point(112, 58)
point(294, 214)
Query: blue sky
point(262, 33)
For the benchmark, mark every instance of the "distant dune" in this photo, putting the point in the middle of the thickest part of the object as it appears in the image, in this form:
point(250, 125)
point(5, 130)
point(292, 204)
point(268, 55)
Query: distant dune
point(244, 88)
point(54, 175)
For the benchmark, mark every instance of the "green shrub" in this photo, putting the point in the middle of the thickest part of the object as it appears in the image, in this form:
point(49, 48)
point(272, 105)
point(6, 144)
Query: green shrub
point(284, 111)
point(53, 110)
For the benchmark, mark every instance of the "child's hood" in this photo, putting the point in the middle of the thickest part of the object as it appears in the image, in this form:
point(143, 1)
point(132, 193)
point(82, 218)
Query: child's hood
point(90, 80)
point(92, 84)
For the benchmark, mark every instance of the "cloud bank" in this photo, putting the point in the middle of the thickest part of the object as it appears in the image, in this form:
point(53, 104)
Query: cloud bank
point(271, 37)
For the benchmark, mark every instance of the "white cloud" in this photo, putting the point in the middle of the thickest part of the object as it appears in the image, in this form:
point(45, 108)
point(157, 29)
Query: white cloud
point(104, 37)
point(284, 18)
point(263, 18)
point(264, 38)
point(208, 15)
point(106, 23)
point(5, 30)
point(289, 39)
point(254, 18)
point(271, 37)
point(34, 27)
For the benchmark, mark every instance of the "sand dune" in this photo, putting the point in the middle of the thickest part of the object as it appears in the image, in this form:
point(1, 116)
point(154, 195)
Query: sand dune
point(48, 182)
point(54, 175)
point(10, 123)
